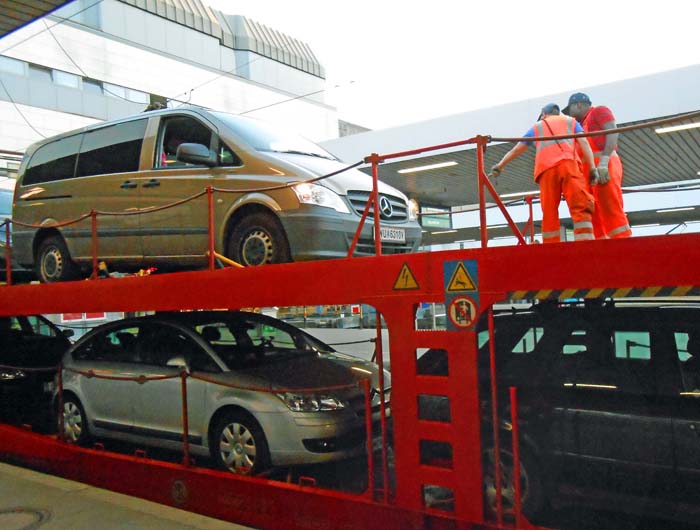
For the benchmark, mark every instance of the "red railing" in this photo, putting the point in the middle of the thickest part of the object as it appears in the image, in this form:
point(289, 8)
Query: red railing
point(184, 374)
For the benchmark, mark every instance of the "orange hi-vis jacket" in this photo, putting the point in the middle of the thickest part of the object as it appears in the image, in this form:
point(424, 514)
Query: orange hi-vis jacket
point(551, 152)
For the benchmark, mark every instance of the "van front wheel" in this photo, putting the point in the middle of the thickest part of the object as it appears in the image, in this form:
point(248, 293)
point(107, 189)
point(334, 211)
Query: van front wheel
point(258, 239)
point(53, 262)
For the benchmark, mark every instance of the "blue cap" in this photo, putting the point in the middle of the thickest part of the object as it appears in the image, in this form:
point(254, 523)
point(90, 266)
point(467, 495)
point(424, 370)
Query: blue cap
point(579, 97)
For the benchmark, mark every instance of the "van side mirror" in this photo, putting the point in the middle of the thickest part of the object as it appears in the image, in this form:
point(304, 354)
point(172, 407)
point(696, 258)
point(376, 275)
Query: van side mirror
point(197, 154)
point(68, 333)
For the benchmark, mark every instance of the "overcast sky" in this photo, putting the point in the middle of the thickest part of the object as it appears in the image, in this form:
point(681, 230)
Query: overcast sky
point(412, 60)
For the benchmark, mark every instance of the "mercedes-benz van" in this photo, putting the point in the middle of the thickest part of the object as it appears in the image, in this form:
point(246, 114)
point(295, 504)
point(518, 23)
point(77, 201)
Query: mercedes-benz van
point(127, 169)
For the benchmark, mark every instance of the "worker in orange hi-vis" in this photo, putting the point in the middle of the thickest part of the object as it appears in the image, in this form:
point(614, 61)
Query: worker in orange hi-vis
point(558, 169)
point(609, 219)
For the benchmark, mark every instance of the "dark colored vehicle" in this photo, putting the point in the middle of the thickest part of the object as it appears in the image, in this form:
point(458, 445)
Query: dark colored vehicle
point(30, 342)
point(608, 402)
point(21, 274)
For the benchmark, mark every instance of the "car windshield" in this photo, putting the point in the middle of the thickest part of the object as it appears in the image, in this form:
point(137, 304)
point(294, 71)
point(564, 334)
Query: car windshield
point(248, 341)
point(266, 137)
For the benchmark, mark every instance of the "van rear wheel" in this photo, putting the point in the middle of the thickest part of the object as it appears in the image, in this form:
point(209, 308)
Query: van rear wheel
point(258, 239)
point(53, 262)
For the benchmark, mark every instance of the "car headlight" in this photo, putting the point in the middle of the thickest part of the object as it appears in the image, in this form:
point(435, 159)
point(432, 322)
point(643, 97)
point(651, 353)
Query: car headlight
point(413, 210)
point(11, 375)
point(310, 402)
point(319, 196)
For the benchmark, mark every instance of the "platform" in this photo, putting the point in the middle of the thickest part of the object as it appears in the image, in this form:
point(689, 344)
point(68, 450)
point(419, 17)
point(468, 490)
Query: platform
point(36, 501)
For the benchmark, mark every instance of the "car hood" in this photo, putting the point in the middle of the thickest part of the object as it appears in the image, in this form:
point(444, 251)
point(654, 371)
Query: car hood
point(311, 371)
point(352, 179)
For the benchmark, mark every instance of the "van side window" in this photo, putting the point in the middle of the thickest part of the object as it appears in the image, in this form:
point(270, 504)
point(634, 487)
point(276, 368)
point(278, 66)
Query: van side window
point(176, 131)
point(227, 157)
point(114, 149)
point(53, 161)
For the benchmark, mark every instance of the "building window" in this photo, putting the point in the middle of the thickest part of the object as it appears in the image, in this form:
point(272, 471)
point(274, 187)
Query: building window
point(137, 96)
point(92, 85)
point(114, 91)
point(66, 79)
point(39, 73)
point(72, 317)
point(11, 66)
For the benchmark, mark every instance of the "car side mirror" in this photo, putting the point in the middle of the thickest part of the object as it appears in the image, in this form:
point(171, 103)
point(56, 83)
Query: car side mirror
point(68, 333)
point(197, 154)
point(177, 362)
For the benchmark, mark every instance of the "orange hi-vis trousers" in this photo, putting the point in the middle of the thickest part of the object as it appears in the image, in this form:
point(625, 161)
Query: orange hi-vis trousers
point(609, 219)
point(566, 178)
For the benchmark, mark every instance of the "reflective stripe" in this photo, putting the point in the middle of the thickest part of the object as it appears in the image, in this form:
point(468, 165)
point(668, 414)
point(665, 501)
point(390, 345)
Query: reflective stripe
point(547, 143)
point(619, 230)
point(551, 234)
point(583, 236)
point(583, 224)
point(600, 153)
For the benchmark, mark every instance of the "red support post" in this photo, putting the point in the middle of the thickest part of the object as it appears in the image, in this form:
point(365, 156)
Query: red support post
point(495, 421)
point(93, 223)
point(8, 253)
point(185, 421)
point(375, 199)
point(382, 408)
point(210, 204)
point(531, 221)
point(517, 506)
point(482, 201)
point(59, 384)
point(366, 387)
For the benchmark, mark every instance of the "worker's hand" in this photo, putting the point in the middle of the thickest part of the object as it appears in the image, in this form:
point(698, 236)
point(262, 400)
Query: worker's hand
point(496, 170)
point(593, 176)
point(603, 175)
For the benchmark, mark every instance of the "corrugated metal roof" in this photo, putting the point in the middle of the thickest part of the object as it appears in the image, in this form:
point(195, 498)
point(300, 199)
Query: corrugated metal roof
point(648, 158)
point(235, 32)
point(18, 13)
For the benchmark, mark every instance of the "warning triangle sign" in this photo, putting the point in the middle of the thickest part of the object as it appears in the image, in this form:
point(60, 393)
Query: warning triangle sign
point(461, 281)
point(406, 280)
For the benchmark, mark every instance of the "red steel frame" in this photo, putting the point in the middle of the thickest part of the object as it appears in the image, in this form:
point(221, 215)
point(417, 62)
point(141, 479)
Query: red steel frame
point(634, 262)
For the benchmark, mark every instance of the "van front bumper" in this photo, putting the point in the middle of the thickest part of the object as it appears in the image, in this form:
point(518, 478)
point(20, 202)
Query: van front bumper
point(321, 233)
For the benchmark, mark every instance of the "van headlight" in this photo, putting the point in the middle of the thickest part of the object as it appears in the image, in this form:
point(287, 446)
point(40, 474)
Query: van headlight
point(319, 196)
point(310, 402)
point(413, 209)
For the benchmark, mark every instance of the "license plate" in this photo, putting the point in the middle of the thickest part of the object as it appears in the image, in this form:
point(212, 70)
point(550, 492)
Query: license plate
point(397, 235)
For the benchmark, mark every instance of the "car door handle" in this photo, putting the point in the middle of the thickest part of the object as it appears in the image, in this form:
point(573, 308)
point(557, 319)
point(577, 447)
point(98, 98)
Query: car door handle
point(152, 183)
point(127, 185)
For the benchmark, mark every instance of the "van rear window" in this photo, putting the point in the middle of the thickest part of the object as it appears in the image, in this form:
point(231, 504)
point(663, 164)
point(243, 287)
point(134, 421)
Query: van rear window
point(53, 161)
point(113, 149)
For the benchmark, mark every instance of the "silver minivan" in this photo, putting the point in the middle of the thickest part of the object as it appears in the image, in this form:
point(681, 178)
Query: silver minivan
point(260, 393)
point(159, 157)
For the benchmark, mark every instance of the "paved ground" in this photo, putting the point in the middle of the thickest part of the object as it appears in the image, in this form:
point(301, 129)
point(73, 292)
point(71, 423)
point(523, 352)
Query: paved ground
point(34, 501)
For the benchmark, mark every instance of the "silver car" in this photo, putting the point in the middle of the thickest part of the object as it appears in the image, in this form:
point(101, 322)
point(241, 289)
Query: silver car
point(256, 393)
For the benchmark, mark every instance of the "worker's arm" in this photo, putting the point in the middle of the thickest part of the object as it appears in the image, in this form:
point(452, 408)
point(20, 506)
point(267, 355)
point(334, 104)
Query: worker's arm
point(511, 155)
point(588, 159)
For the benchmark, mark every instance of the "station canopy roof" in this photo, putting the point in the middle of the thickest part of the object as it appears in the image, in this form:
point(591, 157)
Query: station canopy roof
point(18, 13)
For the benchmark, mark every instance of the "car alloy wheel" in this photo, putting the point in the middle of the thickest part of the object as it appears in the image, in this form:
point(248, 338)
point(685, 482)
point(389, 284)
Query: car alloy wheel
point(74, 422)
point(531, 494)
point(237, 448)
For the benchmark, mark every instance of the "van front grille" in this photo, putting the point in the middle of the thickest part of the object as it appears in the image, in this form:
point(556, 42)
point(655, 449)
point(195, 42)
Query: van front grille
point(392, 209)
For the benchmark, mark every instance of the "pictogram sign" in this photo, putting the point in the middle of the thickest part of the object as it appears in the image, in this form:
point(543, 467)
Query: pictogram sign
point(406, 280)
point(463, 312)
point(461, 280)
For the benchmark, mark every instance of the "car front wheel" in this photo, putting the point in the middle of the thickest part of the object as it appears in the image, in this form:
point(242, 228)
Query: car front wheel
point(238, 444)
point(531, 492)
point(258, 239)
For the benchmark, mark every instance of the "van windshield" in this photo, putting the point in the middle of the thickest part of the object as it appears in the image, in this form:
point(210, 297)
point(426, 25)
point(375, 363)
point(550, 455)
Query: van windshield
point(266, 137)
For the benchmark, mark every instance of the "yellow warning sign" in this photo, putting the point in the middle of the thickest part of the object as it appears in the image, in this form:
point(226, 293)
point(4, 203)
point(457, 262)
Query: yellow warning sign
point(461, 281)
point(406, 280)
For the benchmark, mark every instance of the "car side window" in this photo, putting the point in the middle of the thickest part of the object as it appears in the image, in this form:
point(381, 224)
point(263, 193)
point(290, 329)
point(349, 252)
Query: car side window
point(53, 161)
point(529, 340)
point(227, 158)
point(115, 345)
point(175, 131)
point(113, 149)
point(36, 326)
point(687, 343)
